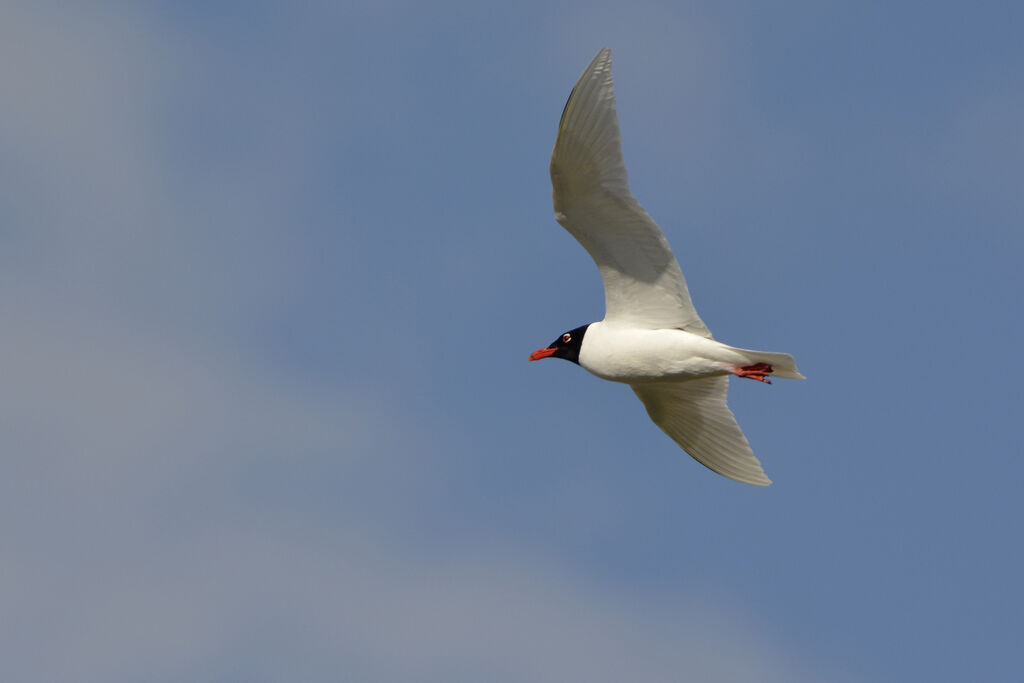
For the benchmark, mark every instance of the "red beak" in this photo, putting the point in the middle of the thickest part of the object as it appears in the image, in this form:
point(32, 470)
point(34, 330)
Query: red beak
point(542, 353)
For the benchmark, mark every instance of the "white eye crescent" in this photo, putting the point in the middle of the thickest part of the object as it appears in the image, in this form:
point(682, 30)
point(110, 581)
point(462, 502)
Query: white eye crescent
point(566, 338)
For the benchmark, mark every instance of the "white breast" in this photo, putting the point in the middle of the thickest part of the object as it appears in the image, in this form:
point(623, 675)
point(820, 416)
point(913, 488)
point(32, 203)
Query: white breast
point(632, 355)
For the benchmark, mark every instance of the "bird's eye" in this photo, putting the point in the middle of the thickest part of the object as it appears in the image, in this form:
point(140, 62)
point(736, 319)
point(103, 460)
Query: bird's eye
point(566, 338)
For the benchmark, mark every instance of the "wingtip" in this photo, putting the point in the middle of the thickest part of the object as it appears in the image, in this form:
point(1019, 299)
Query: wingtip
point(759, 479)
point(602, 60)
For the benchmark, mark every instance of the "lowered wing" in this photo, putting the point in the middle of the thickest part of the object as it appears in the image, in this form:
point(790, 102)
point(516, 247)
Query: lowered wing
point(694, 413)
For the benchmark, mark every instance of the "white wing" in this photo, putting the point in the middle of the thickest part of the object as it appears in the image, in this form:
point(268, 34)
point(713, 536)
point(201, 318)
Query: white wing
point(694, 413)
point(643, 285)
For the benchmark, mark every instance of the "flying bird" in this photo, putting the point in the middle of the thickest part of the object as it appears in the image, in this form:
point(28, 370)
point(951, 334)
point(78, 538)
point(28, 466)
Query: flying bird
point(651, 337)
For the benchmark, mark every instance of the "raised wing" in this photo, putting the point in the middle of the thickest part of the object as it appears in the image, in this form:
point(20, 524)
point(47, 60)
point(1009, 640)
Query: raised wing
point(643, 285)
point(694, 413)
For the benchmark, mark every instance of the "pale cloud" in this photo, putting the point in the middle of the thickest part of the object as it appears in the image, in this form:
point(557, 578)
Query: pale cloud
point(77, 125)
point(273, 598)
point(111, 205)
point(136, 541)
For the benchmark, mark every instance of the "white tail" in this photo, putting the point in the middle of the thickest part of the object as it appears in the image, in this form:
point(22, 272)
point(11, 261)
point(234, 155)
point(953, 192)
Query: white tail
point(782, 364)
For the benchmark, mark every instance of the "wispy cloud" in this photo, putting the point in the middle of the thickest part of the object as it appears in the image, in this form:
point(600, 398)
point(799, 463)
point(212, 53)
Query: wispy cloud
point(143, 534)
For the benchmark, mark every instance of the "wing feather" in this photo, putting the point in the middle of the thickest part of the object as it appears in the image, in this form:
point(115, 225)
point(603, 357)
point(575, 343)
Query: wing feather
point(695, 415)
point(644, 286)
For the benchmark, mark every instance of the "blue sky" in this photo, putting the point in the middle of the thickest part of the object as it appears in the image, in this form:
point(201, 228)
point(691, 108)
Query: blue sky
point(270, 274)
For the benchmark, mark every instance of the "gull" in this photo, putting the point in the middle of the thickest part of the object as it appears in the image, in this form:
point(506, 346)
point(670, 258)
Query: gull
point(651, 337)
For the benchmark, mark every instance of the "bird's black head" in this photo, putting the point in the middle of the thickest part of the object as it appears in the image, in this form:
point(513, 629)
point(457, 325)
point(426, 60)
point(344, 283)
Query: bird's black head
point(566, 346)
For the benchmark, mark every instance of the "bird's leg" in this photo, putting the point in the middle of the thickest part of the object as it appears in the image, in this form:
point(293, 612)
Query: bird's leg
point(757, 371)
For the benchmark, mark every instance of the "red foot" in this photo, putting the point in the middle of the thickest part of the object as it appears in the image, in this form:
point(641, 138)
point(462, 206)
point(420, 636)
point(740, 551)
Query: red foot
point(756, 371)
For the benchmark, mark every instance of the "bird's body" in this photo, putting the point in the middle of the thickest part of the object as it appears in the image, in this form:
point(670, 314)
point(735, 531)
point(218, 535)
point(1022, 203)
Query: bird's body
point(634, 355)
point(637, 356)
point(651, 337)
